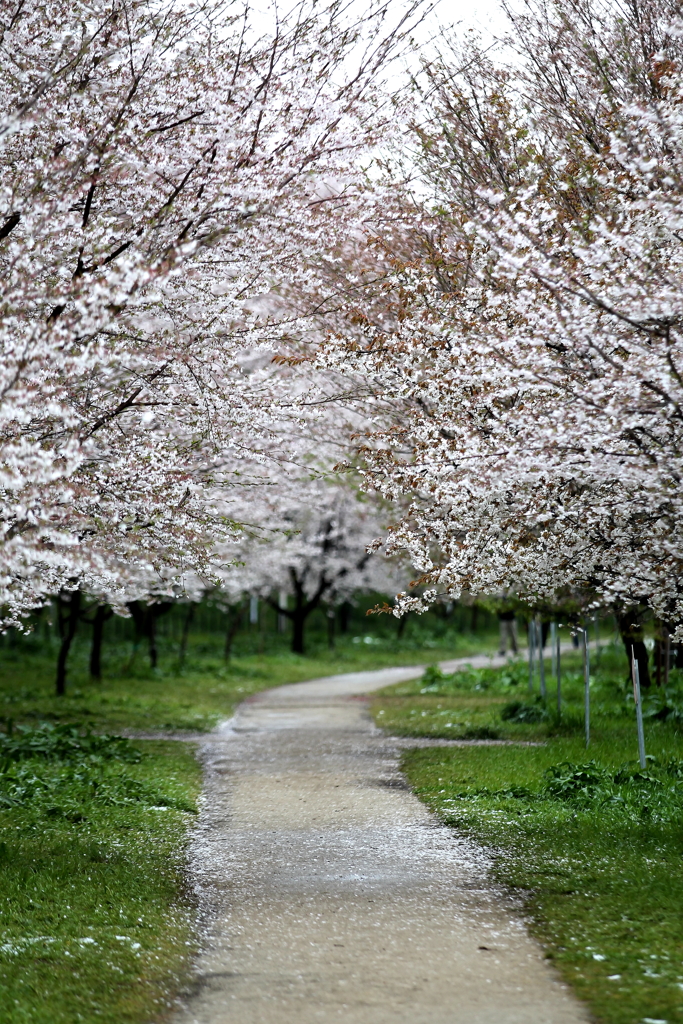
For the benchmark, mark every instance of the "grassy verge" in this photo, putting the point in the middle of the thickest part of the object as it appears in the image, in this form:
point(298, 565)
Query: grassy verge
point(93, 923)
point(594, 844)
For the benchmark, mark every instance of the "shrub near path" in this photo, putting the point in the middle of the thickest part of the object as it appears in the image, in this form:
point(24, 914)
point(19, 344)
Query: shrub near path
point(594, 843)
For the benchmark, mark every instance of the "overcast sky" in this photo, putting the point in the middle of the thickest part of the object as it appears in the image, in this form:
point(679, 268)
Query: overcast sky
point(485, 16)
point(482, 14)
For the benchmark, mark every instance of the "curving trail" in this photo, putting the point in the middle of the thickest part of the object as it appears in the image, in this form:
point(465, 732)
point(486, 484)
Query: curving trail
point(331, 894)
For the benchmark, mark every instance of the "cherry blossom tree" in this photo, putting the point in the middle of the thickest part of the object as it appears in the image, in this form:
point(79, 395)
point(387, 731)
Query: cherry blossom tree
point(163, 167)
point(525, 361)
point(306, 545)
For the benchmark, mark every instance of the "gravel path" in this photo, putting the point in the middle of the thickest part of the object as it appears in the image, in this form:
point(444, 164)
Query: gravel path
point(331, 894)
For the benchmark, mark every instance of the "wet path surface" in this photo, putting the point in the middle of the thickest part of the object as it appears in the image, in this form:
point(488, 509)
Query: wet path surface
point(331, 894)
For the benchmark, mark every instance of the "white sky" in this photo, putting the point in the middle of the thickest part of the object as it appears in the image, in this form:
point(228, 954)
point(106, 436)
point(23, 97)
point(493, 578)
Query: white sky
point(484, 15)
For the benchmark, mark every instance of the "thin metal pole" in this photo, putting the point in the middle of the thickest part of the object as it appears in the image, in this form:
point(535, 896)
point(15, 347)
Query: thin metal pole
point(586, 685)
point(639, 709)
point(553, 634)
point(541, 664)
point(557, 669)
point(596, 627)
point(532, 631)
point(667, 663)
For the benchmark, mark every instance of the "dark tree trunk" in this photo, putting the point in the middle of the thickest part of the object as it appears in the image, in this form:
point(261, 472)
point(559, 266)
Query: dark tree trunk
point(641, 656)
point(678, 656)
point(137, 611)
point(661, 653)
point(331, 621)
point(545, 629)
point(138, 615)
point(402, 625)
point(69, 633)
point(302, 608)
point(152, 637)
point(344, 617)
point(658, 662)
point(145, 618)
point(234, 620)
point(297, 615)
point(102, 613)
point(631, 632)
point(475, 617)
point(298, 625)
point(184, 637)
point(300, 612)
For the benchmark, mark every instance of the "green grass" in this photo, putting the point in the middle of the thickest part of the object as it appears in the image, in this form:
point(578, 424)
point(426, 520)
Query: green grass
point(94, 923)
point(169, 698)
point(205, 689)
point(597, 853)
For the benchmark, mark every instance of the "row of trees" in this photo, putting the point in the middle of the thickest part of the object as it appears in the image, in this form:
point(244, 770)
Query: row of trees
point(218, 323)
point(169, 174)
point(524, 353)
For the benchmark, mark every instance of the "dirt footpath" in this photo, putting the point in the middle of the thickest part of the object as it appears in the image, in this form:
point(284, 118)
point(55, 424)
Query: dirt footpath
point(331, 894)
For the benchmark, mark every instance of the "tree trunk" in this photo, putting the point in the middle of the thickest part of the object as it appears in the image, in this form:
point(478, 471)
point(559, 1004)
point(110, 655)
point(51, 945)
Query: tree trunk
point(298, 625)
point(344, 617)
point(189, 616)
point(138, 616)
point(632, 637)
point(302, 608)
point(102, 613)
point(661, 653)
point(331, 620)
point(402, 625)
point(545, 627)
point(641, 656)
point(234, 621)
point(145, 618)
point(69, 633)
point(678, 656)
point(152, 637)
point(475, 617)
